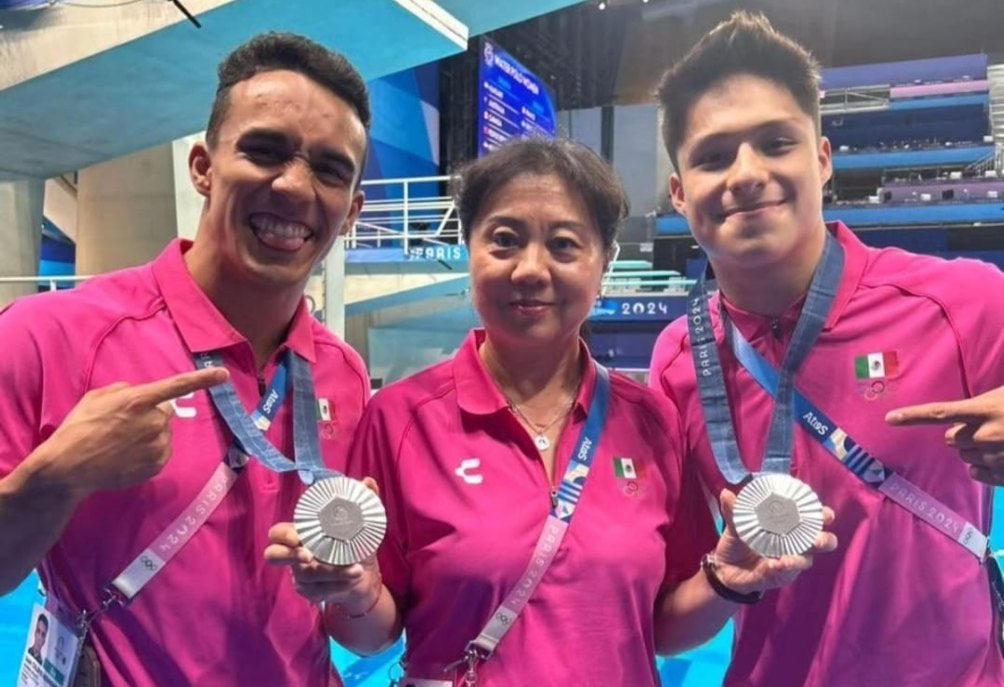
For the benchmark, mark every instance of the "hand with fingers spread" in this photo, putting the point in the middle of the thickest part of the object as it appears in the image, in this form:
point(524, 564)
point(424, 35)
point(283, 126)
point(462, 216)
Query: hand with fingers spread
point(119, 436)
point(976, 431)
point(743, 570)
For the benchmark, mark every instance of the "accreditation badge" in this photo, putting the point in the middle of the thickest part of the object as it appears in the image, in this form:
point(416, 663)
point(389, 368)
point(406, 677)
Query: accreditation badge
point(778, 515)
point(997, 596)
point(51, 652)
point(340, 520)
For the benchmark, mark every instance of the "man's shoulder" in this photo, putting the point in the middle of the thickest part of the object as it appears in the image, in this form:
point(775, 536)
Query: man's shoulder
point(671, 347)
point(337, 362)
point(930, 275)
point(962, 288)
point(86, 310)
point(635, 393)
point(330, 344)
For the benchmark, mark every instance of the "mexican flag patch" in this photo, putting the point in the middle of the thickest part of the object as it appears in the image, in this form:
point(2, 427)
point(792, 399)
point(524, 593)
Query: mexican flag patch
point(624, 468)
point(323, 410)
point(876, 365)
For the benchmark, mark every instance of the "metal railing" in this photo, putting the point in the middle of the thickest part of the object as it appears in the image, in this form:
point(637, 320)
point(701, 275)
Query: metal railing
point(400, 214)
point(857, 99)
point(52, 282)
point(409, 213)
point(992, 161)
point(666, 282)
point(615, 283)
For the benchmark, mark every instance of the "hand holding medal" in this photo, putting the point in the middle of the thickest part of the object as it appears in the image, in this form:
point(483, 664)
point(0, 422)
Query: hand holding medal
point(339, 520)
point(776, 523)
point(339, 566)
point(742, 569)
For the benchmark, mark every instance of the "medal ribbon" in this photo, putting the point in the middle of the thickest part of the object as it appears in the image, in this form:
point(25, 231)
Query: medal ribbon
point(711, 378)
point(856, 459)
point(248, 435)
point(558, 520)
point(154, 557)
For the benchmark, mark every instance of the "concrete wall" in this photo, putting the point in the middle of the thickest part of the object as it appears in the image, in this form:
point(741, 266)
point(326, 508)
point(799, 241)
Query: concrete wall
point(125, 210)
point(20, 234)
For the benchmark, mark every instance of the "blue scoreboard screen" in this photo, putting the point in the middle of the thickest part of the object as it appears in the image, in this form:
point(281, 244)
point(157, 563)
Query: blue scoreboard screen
point(512, 101)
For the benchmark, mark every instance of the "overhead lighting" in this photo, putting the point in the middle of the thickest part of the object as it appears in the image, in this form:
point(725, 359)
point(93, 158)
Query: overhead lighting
point(602, 5)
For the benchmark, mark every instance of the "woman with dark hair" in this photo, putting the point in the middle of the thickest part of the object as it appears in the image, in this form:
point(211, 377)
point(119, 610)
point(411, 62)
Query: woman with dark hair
point(541, 527)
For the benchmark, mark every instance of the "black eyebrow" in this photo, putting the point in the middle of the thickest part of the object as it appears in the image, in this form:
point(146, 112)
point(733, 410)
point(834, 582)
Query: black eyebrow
point(279, 139)
point(713, 139)
point(516, 223)
point(264, 136)
point(338, 159)
point(508, 220)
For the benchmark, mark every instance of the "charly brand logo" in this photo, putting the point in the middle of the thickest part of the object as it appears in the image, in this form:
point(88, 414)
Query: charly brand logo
point(467, 469)
point(185, 412)
point(874, 372)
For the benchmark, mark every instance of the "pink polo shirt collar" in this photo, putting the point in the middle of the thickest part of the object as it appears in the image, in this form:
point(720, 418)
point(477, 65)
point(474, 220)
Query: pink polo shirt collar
point(477, 393)
point(201, 325)
point(855, 258)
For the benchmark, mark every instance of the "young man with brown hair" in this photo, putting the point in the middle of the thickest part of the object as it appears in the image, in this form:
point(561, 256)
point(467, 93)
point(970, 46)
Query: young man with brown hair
point(802, 308)
point(120, 477)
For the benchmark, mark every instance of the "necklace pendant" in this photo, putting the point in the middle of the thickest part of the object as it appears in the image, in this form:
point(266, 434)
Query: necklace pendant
point(541, 442)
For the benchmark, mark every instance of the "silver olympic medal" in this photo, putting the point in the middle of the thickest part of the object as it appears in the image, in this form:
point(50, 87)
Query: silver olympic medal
point(778, 515)
point(340, 520)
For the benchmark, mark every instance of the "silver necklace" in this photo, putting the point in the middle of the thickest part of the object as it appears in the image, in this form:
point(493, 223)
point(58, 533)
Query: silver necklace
point(540, 440)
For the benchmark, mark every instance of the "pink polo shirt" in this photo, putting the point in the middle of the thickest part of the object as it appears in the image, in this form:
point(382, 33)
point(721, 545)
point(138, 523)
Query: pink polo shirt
point(898, 603)
point(467, 497)
point(216, 614)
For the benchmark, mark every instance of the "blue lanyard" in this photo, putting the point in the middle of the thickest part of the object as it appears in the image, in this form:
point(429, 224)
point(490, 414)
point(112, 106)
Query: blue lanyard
point(248, 430)
point(551, 536)
point(711, 378)
point(574, 480)
point(819, 426)
point(268, 406)
point(855, 458)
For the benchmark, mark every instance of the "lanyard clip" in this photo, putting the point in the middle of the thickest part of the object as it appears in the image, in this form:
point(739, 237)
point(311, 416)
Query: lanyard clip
point(112, 597)
point(471, 658)
point(470, 664)
point(395, 672)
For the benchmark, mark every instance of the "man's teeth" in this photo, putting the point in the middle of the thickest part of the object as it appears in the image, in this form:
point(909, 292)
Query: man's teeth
point(286, 230)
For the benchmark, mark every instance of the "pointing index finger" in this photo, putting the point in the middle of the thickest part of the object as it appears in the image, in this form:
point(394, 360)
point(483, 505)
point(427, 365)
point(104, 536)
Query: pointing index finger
point(179, 385)
point(970, 410)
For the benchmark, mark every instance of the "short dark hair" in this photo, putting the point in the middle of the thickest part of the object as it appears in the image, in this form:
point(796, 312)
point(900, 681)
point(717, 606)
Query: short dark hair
point(578, 166)
point(272, 51)
point(745, 43)
point(42, 620)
